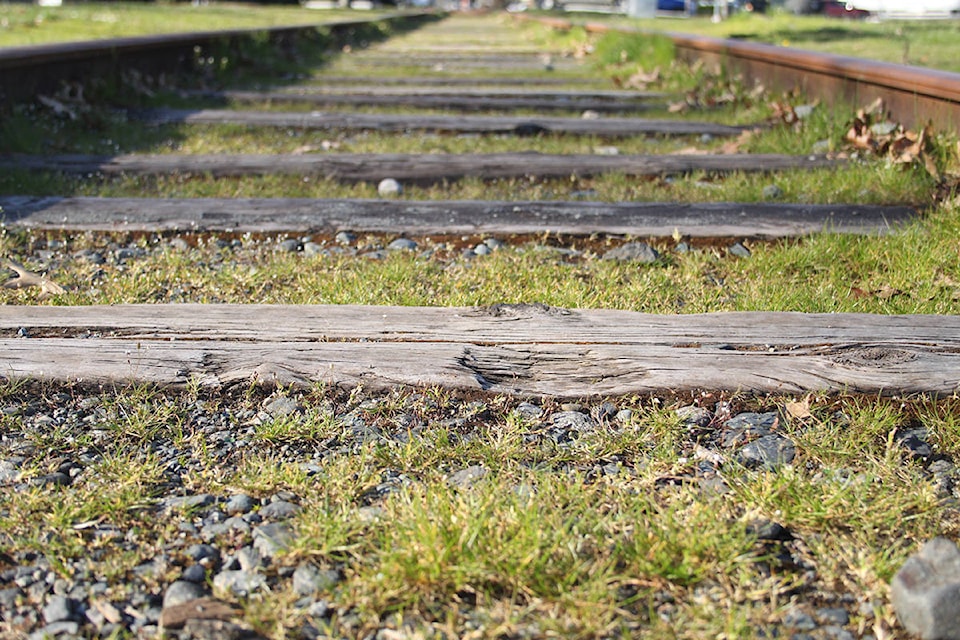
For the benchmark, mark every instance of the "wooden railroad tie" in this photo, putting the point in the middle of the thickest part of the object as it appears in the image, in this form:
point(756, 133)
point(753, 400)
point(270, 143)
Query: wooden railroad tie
point(513, 349)
point(305, 215)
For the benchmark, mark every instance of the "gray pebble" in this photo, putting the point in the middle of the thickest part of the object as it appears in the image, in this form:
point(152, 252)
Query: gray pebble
point(271, 539)
point(62, 628)
point(739, 250)
point(925, 592)
point(633, 252)
point(189, 502)
point(494, 243)
point(308, 579)
point(692, 414)
point(833, 615)
point(239, 583)
point(201, 552)
point(249, 558)
point(57, 609)
point(8, 598)
point(389, 188)
point(770, 452)
point(772, 192)
point(280, 510)
point(182, 591)
point(179, 244)
point(311, 249)
point(194, 573)
point(240, 503)
point(624, 415)
point(481, 250)
point(528, 410)
point(797, 619)
point(281, 406)
point(402, 244)
point(289, 245)
point(345, 237)
point(573, 420)
point(468, 477)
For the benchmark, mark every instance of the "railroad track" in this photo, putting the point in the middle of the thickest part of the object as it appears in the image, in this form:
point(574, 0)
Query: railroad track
point(504, 183)
point(822, 369)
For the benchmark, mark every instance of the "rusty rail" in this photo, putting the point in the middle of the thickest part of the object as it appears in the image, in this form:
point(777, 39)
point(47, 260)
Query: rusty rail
point(29, 70)
point(913, 95)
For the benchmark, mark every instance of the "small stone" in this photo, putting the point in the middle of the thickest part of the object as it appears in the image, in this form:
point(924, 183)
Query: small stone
point(528, 410)
point(240, 503)
point(796, 619)
point(769, 530)
point(590, 114)
point(345, 237)
point(573, 420)
point(913, 440)
point(280, 510)
point(271, 539)
point(8, 598)
point(772, 192)
point(833, 615)
point(763, 421)
point(770, 452)
point(239, 583)
point(739, 250)
point(58, 609)
point(281, 406)
point(308, 579)
point(179, 244)
point(194, 573)
point(494, 244)
point(481, 250)
point(803, 111)
point(468, 477)
point(56, 479)
point(692, 414)
point(389, 188)
point(925, 592)
point(190, 502)
point(203, 552)
point(249, 558)
point(311, 249)
point(402, 244)
point(633, 252)
point(624, 415)
point(606, 151)
point(289, 245)
point(61, 628)
point(182, 591)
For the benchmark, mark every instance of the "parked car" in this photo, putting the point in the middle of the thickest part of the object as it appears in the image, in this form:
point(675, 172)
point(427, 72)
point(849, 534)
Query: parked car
point(910, 8)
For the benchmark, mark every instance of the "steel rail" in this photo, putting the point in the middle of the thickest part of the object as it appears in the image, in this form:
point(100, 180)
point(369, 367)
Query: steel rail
point(914, 96)
point(28, 70)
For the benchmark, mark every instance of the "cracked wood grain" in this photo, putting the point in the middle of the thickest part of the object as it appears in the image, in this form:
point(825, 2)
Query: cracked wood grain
point(515, 349)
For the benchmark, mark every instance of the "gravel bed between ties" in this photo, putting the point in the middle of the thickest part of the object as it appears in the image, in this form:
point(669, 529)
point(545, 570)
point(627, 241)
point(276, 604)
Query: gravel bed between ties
point(199, 543)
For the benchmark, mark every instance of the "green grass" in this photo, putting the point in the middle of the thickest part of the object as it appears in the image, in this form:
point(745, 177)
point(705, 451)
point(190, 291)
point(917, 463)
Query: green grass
point(542, 544)
point(924, 43)
point(26, 24)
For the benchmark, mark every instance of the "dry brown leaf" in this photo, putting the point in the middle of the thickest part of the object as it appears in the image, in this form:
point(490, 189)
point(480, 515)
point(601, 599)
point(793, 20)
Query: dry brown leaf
point(677, 107)
point(27, 278)
point(800, 409)
point(641, 79)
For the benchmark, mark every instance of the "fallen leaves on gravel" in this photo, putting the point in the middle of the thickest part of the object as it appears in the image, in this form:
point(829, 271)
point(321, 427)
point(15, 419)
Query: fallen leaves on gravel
point(873, 132)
